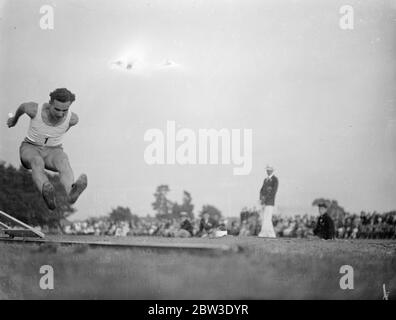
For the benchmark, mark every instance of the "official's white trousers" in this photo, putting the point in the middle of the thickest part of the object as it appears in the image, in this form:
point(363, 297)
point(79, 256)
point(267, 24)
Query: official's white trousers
point(267, 228)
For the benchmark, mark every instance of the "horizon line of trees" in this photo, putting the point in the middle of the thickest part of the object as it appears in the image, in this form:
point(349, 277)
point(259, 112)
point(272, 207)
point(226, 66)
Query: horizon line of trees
point(166, 208)
point(20, 198)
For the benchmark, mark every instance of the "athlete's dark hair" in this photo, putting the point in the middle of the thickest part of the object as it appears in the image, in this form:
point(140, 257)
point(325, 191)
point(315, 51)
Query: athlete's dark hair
point(62, 95)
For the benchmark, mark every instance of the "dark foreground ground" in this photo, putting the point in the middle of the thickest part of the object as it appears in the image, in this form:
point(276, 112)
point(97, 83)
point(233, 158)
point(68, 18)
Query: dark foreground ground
point(260, 269)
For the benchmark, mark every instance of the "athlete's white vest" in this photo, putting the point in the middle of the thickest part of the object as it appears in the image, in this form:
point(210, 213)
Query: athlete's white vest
point(42, 134)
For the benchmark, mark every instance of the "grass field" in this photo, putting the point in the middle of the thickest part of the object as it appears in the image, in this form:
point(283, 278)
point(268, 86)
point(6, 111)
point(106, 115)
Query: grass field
point(262, 269)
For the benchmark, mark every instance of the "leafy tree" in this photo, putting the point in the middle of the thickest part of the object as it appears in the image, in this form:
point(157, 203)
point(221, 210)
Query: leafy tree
point(93, 220)
point(162, 204)
point(122, 214)
point(212, 210)
point(169, 209)
point(186, 206)
point(20, 198)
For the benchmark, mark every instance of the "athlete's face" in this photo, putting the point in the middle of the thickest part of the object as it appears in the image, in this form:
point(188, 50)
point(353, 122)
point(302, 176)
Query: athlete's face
point(59, 109)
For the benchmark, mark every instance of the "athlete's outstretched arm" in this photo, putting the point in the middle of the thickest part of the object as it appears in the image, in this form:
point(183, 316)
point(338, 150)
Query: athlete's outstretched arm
point(30, 108)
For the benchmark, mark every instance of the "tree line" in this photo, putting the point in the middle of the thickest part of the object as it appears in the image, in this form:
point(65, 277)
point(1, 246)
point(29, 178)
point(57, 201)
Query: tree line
point(20, 198)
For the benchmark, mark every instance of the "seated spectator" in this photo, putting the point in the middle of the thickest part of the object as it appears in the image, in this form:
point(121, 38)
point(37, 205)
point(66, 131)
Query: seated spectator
point(220, 230)
point(254, 226)
point(186, 225)
point(279, 226)
point(207, 225)
point(244, 231)
point(290, 230)
point(234, 230)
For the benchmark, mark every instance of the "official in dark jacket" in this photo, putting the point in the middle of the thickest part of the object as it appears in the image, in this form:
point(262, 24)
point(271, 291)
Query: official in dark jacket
point(324, 228)
point(267, 199)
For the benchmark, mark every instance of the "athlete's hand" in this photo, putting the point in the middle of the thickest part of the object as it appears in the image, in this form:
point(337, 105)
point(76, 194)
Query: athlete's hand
point(11, 122)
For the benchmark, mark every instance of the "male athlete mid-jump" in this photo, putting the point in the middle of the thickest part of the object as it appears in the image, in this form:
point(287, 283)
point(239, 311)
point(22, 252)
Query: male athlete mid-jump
point(42, 147)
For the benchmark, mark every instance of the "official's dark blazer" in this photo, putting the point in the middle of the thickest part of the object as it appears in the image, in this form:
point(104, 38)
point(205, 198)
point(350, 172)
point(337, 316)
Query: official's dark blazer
point(268, 191)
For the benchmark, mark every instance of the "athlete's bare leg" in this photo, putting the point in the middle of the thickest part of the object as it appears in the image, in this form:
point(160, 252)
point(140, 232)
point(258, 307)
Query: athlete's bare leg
point(38, 173)
point(32, 159)
point(58, 161)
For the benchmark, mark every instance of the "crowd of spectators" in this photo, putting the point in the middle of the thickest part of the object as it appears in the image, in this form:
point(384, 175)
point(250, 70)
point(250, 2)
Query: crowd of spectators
point(149, 226)
point(367, 226)
point(351, 226)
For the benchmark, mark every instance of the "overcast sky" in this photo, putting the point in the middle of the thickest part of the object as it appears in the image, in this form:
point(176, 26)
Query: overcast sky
point(320, 100)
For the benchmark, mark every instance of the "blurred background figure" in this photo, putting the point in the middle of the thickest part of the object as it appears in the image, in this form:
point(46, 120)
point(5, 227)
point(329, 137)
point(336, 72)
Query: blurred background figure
point(324, 228)
point(221, 229)
point(207, 225)
point(234, 229)
point(186, 227)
